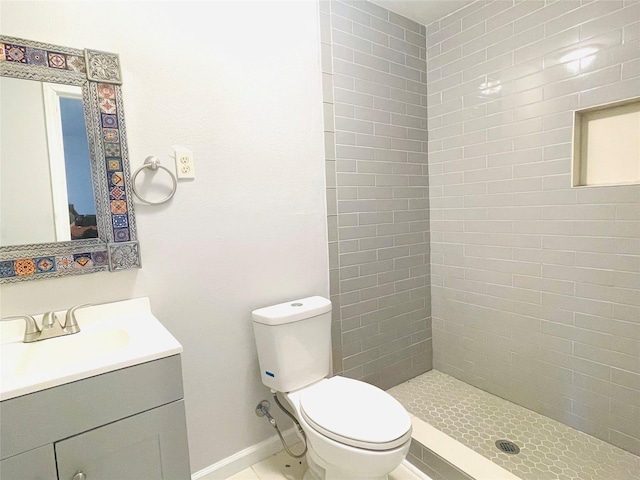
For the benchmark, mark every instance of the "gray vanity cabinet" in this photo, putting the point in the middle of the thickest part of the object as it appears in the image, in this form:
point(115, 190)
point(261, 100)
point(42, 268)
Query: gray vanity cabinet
point(146, 446)
point(125, 424)
point(36, 464)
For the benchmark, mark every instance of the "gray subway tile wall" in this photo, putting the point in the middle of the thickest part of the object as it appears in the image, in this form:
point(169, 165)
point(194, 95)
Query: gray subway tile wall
point(374, 79)
point(535, 285)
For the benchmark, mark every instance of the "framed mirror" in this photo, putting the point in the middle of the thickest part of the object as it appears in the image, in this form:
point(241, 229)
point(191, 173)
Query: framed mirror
point(66, 204)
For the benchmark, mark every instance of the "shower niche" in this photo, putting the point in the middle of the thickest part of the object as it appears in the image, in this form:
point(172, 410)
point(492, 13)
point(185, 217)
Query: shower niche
point(606, 145)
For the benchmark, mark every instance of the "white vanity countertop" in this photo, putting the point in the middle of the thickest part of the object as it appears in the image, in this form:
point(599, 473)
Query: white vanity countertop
point(112, 336)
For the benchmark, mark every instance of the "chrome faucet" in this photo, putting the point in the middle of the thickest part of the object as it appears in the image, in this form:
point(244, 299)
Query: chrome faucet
point(51, 326)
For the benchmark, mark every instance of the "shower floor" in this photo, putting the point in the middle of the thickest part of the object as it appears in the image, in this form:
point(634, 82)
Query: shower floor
point(548, 449)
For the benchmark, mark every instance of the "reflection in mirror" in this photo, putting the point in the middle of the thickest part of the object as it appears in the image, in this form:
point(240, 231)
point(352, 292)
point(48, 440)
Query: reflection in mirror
point(65, 195)
point(81, 206)
point(46, 192)
point(26, 208)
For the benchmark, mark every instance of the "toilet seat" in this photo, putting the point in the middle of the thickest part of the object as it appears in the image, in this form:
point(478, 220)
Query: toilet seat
point(355, 413)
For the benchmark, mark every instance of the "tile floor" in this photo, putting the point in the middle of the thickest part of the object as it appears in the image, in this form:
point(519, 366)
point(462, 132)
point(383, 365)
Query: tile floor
point(475, 418)
point(282, 467)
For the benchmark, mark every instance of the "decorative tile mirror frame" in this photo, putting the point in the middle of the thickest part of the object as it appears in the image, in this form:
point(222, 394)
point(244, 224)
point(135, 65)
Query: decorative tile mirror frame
point(98, 74)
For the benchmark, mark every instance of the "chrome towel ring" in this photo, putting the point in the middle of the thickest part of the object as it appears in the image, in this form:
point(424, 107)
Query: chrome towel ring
point(153, 163)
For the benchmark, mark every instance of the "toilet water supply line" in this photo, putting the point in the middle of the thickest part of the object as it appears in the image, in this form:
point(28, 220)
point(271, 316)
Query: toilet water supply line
point(263, 410)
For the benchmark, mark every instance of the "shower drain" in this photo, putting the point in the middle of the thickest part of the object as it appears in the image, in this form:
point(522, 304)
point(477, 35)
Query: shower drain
point(507, 446)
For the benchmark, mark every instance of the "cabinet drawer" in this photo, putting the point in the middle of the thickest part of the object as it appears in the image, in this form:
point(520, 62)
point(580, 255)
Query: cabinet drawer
point(50, 415)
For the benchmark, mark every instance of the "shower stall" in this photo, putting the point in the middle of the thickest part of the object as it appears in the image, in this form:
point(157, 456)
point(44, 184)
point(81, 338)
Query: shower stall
point(460, 236)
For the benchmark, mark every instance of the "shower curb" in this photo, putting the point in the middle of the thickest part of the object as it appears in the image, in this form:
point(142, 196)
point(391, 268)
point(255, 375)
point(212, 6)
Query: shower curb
point(441, 457)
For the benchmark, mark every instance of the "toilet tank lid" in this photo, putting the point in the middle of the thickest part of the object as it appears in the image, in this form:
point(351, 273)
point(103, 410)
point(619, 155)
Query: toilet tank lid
point(292, 311)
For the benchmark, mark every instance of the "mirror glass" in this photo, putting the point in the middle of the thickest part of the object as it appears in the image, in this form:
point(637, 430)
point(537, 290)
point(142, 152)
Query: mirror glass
point(46, 191)
point(66, 202)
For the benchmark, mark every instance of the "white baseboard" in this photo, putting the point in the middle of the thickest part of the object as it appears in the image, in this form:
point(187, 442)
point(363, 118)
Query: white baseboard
point(245, 458)
point(237, 462)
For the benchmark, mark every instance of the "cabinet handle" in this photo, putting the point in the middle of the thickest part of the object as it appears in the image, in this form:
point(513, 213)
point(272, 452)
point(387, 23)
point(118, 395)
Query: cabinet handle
point(80, 476)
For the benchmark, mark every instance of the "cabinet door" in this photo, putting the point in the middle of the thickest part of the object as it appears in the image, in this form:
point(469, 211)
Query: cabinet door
point(36, 464)
point(148, 446)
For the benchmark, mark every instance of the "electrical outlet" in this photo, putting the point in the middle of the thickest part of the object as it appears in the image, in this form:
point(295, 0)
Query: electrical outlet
point(184, 163)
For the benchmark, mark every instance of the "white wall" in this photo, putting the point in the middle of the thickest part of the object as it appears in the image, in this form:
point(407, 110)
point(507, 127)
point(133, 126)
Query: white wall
point(240, 82)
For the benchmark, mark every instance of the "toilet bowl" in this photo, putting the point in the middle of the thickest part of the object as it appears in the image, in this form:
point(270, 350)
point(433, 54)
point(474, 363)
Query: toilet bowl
point(354, 430)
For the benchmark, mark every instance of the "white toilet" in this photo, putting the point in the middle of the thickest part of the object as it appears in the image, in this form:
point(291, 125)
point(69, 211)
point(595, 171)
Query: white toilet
point(354, 430)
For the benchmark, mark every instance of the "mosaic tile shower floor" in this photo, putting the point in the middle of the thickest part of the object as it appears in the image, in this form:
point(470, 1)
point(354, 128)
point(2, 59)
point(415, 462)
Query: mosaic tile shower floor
point(475, 418)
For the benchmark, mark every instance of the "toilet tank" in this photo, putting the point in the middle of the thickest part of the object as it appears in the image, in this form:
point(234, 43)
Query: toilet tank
point(293, 340)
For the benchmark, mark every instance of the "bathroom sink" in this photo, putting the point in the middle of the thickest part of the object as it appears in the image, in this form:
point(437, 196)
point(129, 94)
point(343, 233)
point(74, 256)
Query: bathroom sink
point(112, 336)
point(19, 359)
